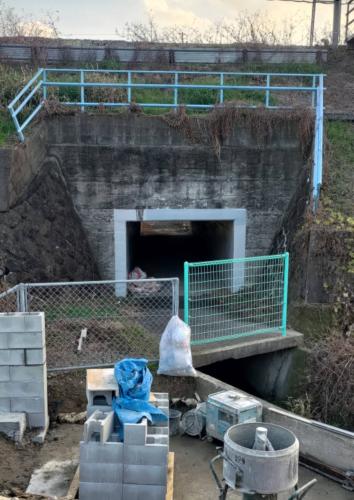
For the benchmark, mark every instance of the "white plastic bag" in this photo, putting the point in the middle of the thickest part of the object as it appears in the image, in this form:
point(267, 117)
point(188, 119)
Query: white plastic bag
point(175, 350)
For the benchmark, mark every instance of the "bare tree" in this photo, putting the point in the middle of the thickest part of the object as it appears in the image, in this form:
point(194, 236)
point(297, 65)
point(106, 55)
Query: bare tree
point(256, 28)
point(14, 23)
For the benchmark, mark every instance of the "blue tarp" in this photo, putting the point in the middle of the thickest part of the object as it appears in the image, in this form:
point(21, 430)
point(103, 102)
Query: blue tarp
point(134, 380)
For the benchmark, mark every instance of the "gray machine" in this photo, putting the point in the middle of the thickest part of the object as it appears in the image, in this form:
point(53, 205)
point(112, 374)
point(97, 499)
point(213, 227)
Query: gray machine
point(260, 461)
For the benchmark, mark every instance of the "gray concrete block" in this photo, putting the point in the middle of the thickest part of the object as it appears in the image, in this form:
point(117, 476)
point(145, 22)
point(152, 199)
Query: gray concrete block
point(145, 455)
point(143, 492)
point(108, 452)
point(12, 357)
point(3, 340)
point(13, 425)
point(25, 340)
point(99, 397)
point(135, 433)
point(91, 409)
point(12, 322)
point(5, 405)
point(27, 373)
point(33, 405)
point(157, 439)
point(104, 491)
point(34, 322)
point(21, 389)
point(4, 373)
point(145, 474)
point(37, 420)
point(100, 423)
point(35, 356)
point(158, 430)
point(101, 473)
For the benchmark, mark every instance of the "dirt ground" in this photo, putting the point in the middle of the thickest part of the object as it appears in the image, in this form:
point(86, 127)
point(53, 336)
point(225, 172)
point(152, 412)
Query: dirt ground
point(18, 462)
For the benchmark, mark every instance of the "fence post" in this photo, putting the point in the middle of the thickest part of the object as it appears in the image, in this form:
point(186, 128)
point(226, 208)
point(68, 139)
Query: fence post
point(82, 90)
point(44, 80)
point(176, 91)
point(285, 293)
point(318, 144)
point(21, 298)
point(267, 96)
point(221, 90)
point(175, 296)
point(186, 292)
point(129, 88)
point(313, 97)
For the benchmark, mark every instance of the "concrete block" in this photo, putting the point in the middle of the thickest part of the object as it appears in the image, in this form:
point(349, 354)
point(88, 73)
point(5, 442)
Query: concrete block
point(91, 409)
point(21, 389)
point(157, 439)
point(145, 455)
point(101, 473)
point(12, 357)
point(99, 423)
point(135, 433)
point(24, 340)
point(5, 405)
point(12, 322)
point(3, 340)
point(27, 373)
point(37, 420)
point(34, 322)
point(100, 397)
point(13, 425)
point(4, 373)
point(104, 491)
point(32, 405)
point(143, 492)
point(158, 430)
point(35, 356)
point(145, 474)
point(94, 453)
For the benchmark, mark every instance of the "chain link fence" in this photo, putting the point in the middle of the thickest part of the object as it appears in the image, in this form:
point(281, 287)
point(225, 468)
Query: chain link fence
point(234, 298)
point(97, 323)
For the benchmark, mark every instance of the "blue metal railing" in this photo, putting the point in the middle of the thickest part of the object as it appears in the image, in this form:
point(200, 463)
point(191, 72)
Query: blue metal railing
point(34, 94)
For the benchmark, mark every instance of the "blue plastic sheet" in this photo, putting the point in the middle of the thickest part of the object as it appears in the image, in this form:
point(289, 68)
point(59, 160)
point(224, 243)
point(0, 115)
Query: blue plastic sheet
point(134, 380)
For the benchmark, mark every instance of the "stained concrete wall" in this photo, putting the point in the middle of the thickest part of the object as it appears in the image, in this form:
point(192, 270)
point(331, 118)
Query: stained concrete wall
point(132, 161)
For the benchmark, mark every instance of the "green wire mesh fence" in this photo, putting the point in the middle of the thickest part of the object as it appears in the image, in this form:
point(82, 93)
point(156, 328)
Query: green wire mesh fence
point(228, 299)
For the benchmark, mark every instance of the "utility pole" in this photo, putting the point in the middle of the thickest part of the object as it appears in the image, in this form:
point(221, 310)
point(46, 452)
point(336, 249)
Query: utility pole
point(337, 7)
point(312, 28)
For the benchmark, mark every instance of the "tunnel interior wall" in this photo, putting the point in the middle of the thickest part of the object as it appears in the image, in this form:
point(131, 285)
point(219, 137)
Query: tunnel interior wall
point(129, 161)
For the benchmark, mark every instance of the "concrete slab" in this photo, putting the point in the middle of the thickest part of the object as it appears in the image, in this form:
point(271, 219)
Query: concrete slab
point(13, 425)
point(244, 347)
point(53, 479)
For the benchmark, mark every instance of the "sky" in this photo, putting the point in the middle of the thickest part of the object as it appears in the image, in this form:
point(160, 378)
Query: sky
point(101, 19)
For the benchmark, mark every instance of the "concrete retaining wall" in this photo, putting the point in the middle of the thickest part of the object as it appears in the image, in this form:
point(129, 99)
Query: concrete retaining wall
point(23, 369)
point(133, 162)
point(54, 52)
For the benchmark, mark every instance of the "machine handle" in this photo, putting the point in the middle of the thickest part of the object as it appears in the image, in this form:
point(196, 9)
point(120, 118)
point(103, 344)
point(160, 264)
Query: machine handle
point(300, 493)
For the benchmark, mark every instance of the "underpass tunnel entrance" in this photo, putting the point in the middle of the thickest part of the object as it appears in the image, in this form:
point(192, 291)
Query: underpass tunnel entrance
point(160, 248)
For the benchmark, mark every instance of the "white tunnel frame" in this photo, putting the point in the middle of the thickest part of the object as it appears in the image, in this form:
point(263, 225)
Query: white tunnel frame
point(122, 216)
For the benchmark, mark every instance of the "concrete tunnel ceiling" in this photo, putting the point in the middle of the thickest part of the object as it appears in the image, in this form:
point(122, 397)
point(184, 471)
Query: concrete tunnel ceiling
point(215, 234)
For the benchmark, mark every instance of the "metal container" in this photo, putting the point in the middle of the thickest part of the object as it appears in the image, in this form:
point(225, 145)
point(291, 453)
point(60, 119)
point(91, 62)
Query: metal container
point(227, 408)
point(256, 471)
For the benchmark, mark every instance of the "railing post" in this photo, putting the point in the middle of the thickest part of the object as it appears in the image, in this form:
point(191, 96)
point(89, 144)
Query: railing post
point(17, 125)
point(44, 80)
point(285, 294)
point(175, 102)
point(186, 292)
point(129, 87)
point(267, 96)
point(313, 92)
point(221, 90)
point(318, 144)
point(82, 89)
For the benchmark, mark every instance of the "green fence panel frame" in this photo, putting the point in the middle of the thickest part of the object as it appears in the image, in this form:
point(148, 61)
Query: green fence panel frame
point(232, 298)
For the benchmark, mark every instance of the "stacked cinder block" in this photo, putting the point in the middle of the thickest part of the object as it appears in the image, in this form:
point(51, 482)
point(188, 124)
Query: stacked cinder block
point(135, 469)
point(23, 371)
